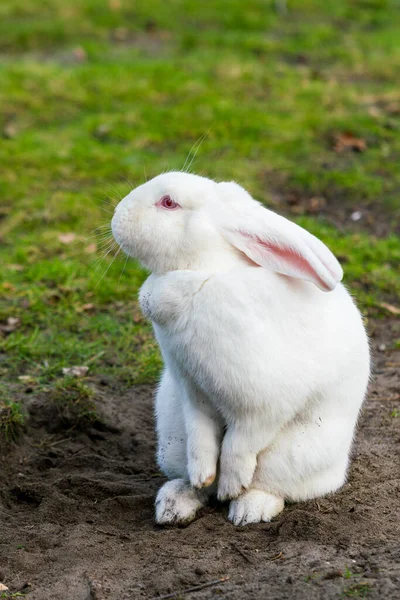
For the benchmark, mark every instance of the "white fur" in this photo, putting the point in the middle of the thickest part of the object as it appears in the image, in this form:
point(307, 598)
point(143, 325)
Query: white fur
point(177, 502)
point(264, 373)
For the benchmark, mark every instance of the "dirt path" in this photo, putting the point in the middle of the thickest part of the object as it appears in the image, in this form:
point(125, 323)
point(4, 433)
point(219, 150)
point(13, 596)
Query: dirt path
point(76, 514)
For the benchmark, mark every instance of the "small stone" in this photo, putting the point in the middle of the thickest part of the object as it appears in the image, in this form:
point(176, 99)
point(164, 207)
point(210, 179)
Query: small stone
point(79, 54)
point(75, 371)
point(12, 324)
point(67, 238)
point(102, 130)
point(9, 131)
point(382, 347)
point(356, 215)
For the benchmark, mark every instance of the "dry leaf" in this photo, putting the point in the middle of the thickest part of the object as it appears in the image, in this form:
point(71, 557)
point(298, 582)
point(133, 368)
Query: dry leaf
point(394, 310)
point(347, 141)
point(3, 588)
point(67, 238)
point(75, 371)
point(12, 324)
point(87, 307)
point(15, 267)
point(393, 108)
point(121, 34)
point(8, 286)
point(374, 111)
point(9, 131)
point(79, 54)
point(115, 4)
point(314, 205)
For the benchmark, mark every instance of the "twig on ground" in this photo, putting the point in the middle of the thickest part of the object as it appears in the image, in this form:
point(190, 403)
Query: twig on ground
point(196, 588)
point(280, 555)
point(242, 553)
point(107, 532)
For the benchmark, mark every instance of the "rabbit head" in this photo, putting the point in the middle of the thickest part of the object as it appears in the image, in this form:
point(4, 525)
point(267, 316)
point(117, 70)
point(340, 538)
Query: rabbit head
point(183, 221)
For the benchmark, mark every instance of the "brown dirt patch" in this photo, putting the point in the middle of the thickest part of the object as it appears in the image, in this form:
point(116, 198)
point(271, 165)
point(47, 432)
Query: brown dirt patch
point(76, 513)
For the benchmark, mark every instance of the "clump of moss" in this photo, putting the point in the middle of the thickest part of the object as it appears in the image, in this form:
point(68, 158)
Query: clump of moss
point(75, 404)
point(11, 420)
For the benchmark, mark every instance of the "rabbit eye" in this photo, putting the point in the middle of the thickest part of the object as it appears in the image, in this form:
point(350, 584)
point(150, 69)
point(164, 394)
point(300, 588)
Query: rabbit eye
point(168, 203)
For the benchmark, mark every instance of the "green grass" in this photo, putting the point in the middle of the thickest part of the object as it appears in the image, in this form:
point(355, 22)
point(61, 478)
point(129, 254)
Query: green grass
point(11, 420)
point(74, 403)
point(358, 590)
point(97, 95)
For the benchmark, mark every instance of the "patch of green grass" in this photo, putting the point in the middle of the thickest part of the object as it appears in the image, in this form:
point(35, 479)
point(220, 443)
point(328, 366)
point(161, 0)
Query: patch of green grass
point(348, 573)
point(97, 96)
point(358, 590)
point(11, 420)
point(74, 402)
point(395, 413)
point(312, 577)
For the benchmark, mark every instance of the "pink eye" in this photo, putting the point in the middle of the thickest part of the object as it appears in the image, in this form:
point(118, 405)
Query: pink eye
point(168, 203)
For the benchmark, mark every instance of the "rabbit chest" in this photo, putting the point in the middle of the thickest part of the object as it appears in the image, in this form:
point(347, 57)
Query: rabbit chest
point(167, 299)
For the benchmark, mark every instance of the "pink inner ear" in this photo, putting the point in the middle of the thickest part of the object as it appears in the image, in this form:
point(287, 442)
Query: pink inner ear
point(282, 260)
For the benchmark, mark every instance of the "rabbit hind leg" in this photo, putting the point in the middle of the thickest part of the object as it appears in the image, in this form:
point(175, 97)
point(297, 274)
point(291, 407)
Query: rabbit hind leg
point(306, 462)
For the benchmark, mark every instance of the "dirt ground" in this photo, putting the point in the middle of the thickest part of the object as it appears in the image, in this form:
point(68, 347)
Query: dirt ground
point(77, 522)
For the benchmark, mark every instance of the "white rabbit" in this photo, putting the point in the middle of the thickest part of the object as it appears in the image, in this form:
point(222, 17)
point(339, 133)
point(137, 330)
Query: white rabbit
point(265, 373)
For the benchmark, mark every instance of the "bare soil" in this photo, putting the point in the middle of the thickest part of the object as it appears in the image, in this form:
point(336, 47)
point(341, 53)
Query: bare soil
point(77, 521)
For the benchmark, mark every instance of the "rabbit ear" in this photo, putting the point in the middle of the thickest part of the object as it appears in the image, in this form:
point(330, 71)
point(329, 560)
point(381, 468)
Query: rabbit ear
point(275, 243)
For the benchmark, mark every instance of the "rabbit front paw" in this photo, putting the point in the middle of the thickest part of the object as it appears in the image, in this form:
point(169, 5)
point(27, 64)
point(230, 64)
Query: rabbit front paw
point(254, 506)
point(177, 502)
point(202, 470)
point(236, 475)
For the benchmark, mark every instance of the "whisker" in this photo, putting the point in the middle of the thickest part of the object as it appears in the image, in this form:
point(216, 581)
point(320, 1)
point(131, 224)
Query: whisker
point(195, 148)
point(128, 181)
point(109, 202)
point(123, 269)
point(107, 211)
point(101, 227)
point(106, 199)
point(116, 192)
point(104, 244)
point(107, 251)
point(108, 268)
point(100, 236)
point(197, 145)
